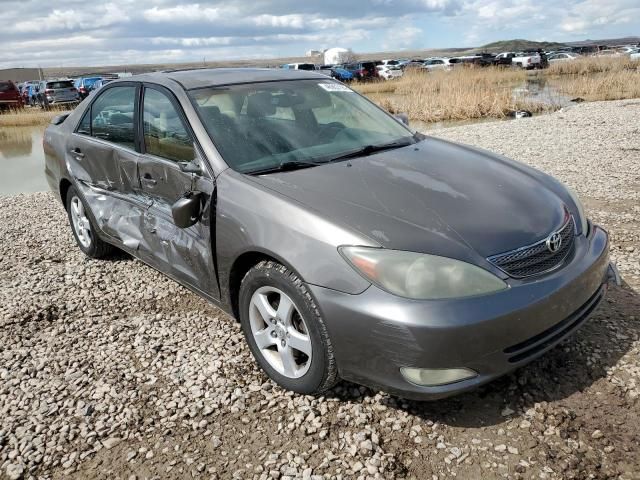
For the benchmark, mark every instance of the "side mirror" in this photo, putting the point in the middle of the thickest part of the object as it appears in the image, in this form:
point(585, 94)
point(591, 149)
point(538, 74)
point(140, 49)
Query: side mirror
point(191, 167)
point(186, 210)
point(402, 118)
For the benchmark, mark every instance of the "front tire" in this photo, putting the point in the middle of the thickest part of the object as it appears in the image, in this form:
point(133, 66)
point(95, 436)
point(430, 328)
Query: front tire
point(83, 227)
point(285, 330)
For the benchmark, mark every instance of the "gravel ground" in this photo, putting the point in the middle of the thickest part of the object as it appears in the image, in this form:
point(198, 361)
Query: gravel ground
point(110, 370)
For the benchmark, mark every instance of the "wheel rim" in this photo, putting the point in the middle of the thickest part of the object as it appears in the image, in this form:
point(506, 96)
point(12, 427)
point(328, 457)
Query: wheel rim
point(280, 332)
point(81, 223)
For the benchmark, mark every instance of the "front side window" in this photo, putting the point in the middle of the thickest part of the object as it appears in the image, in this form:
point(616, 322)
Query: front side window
point(112, 116)
point(164, 133)
point(262, 125)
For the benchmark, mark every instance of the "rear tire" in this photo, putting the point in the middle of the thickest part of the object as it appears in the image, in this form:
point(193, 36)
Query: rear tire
point(285, 330)
point(83, 228)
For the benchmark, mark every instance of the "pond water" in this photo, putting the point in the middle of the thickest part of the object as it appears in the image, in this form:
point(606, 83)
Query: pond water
point(21, 160)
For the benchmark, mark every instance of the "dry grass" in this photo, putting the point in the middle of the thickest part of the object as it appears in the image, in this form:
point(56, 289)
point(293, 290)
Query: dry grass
point(459, 94)
point(597, 78)
point(600, 86)
point(27, 117)
point(593, 65)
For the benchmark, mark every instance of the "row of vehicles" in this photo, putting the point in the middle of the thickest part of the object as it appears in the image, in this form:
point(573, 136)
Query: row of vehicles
point(347, 72)
point(394, 68)
point(51, 92)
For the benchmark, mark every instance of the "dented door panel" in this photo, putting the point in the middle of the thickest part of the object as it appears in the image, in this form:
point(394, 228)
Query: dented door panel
point(107, 176)
point(185, 253)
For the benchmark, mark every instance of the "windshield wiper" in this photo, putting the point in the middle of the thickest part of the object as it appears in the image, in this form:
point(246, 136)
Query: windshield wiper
point(283, 167)
point(370, 149)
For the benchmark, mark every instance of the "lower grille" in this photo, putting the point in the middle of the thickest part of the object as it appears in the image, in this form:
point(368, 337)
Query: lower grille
point(537, 258)
point(541, 341)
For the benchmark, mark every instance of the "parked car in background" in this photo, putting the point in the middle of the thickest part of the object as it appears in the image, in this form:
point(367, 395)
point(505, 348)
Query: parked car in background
point(341, 74)
point(504, 58)
point(608, 53)
point(413, 65)
point(10, 95)
point(436, 64)
point(336, 72)
point(628, 50)
point(56, 92)
point(299, 66)
point(528, 61)
point(389, 72)
point(98, 84)
point(347, 245)
point(85, 85)
point(362, 70)
point(562, 57)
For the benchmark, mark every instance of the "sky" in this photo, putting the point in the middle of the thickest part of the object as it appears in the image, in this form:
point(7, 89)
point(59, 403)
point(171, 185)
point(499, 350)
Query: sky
point(84, 33)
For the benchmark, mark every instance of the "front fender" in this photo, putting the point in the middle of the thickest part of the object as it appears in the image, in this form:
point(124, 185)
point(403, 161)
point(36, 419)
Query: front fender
point(252, 218)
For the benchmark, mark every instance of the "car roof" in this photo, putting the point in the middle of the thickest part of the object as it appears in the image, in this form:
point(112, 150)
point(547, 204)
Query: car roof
point(211, 77)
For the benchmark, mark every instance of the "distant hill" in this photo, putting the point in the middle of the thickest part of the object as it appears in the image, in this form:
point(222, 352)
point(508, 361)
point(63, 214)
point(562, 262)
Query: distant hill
point(519, 45)
point(607, 41)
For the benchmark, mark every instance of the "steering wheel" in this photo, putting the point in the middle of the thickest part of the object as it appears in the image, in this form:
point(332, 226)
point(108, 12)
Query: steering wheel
point(329, 131)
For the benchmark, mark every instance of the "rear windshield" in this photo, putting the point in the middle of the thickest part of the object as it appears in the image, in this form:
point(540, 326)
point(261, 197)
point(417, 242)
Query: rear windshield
point(6, 86)
point(88, 82)
point(61, 84)
point(306, 66)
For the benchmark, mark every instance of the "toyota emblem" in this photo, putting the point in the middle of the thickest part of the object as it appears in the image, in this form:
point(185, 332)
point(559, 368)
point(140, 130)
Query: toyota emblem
point(554, 242)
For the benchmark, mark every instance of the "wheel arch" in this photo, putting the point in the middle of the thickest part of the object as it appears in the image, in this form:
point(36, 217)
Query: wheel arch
point(241, 265)
point(63, 188)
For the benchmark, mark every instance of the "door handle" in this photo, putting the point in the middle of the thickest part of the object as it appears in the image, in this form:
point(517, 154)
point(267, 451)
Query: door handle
point(77, 153)
point(148, 180)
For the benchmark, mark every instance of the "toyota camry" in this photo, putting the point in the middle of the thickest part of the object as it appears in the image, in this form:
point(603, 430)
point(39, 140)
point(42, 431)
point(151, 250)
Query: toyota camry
point(347, 245)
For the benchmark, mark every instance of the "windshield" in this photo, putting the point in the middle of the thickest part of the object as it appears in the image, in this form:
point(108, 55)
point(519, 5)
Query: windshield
point(259, 126)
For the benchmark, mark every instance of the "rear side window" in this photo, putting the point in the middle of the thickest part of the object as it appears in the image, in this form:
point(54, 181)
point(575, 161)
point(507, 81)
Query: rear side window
point(111, 117)
point(55, 85)
point(164, 133)
point(6, 86)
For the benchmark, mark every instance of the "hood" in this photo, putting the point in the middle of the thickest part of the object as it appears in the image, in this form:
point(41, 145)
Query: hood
point(431, 197)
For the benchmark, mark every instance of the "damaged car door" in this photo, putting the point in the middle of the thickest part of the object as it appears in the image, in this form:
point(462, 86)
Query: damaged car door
point(101, 155)
point(170, 170)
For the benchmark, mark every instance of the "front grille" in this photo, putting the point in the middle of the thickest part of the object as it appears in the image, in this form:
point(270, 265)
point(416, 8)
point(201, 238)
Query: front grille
point(536, 259)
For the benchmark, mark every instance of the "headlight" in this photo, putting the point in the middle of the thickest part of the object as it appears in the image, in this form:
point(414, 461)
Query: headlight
point(420, 276)
point(583, 218)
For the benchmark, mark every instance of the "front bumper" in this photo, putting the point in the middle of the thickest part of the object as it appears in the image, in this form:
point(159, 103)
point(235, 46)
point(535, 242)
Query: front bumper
point(375, 333)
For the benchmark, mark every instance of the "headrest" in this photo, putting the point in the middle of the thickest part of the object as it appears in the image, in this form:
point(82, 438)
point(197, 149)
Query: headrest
point(316, 98)
point(211, 113)
point(260, 105)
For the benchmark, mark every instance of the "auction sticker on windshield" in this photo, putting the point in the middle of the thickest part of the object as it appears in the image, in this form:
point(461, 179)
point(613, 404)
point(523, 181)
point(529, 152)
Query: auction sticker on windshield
point(334, 87)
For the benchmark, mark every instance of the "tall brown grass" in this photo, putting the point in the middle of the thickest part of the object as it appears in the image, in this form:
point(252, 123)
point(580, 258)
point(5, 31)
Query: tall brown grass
point(459, 94)
point(592, 65)
point(600, 86)
point(27, 118)
point(597, 78)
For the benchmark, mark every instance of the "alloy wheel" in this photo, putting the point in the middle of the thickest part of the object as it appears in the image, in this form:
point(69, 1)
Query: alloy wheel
point(280, 332)
point(81, 223)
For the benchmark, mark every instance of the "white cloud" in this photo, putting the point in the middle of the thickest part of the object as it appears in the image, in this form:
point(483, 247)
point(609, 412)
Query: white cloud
point(402, 37)
point(75, 32)
point(72, 19)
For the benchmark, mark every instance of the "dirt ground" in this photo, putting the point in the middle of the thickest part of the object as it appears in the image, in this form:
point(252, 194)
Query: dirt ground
point(110, 370)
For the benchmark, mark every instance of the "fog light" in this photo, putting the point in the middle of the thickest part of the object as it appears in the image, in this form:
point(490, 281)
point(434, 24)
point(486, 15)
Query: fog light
point(433, 377)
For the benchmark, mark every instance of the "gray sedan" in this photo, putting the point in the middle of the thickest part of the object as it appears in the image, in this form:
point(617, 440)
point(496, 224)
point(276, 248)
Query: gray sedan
point(346, 245)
